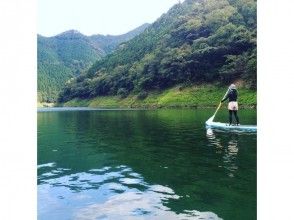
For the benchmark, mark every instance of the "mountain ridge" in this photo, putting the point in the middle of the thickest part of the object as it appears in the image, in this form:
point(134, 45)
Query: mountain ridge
point(195, 42)
point(68, 54)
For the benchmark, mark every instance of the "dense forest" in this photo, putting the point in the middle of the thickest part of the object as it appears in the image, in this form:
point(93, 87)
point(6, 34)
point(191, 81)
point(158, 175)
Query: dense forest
point(195, 42)
point(70, 53)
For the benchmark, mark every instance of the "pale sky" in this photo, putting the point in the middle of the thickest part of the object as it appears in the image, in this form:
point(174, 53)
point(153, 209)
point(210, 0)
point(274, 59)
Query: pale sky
point(97, 16)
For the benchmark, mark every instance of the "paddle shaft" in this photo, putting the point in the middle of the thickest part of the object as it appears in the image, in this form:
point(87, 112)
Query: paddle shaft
point(219, 105)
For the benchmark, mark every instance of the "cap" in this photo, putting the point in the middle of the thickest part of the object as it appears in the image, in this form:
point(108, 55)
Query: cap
point(232, 86)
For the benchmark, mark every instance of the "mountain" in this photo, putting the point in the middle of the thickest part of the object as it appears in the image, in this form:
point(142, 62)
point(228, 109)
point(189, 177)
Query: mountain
point(195, 42)
point(68, 54)
point(109, 42)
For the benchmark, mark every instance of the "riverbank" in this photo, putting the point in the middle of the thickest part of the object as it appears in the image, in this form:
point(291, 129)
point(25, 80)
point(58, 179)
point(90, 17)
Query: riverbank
point(45, 104)
point(203, 96)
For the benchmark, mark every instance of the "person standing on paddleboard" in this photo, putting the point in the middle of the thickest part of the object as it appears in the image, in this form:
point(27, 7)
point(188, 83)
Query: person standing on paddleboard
point(232, 95)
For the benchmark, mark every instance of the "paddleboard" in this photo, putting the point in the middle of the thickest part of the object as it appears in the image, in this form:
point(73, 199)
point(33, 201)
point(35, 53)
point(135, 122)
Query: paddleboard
point(226, 126)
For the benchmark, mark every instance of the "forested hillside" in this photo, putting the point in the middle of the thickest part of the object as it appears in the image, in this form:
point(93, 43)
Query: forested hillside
point(69, 54)
point(195, 42)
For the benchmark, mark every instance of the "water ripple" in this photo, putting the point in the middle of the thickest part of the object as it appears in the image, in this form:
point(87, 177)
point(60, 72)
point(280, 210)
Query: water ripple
point(123, 194)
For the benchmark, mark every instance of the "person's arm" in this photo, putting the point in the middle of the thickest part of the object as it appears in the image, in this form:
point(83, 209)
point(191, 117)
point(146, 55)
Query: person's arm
point(226, 97)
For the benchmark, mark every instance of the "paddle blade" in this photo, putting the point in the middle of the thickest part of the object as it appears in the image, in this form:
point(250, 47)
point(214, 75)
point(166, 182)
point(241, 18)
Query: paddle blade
point(211, 118)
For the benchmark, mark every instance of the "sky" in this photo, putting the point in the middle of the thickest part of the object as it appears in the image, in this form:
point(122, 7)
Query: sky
point(97, 16)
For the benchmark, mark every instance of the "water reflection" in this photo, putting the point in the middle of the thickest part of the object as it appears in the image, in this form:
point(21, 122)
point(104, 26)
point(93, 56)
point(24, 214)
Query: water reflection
point(105, 193)
point(125, 206)
point(227, 147)
point(99, 164)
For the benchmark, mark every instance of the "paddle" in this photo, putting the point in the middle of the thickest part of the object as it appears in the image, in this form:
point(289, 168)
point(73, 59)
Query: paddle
point(219, 105)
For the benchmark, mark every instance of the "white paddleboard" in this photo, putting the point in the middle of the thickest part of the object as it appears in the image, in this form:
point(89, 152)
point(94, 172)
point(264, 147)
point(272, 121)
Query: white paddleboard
point(248, 128)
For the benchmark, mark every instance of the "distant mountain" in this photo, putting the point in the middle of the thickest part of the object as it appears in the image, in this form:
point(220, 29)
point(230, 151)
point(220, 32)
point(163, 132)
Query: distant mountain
point(109, 42)
point(197, 41)
point(68, 54)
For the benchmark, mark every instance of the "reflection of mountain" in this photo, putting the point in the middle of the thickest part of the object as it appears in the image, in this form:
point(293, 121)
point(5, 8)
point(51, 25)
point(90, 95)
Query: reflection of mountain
point(127, 135)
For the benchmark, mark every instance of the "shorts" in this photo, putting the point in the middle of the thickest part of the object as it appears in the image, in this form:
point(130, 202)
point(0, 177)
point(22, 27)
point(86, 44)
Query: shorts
point(233, 106)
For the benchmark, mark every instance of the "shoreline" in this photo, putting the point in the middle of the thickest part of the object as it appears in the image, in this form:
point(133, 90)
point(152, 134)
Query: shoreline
point(45, 104)
point(201, 96)
point(193, 97)
point(148, 108)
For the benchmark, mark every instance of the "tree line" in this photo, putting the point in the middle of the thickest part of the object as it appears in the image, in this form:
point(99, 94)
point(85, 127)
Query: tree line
point(197, 41)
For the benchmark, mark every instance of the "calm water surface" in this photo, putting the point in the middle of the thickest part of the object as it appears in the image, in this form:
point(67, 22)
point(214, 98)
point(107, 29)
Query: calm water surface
point(153, 164)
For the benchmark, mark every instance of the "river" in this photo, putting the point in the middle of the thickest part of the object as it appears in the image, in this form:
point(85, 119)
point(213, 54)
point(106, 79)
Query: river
point(143, 164)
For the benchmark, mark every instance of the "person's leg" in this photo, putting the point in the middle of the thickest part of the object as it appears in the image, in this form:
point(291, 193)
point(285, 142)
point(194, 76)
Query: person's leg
point(230, 116)
point(236, 116)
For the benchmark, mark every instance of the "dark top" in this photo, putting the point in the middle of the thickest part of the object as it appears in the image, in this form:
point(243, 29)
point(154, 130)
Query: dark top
point(232, 96)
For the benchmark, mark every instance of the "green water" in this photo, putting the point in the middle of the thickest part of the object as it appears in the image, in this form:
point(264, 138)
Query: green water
point(144, 164)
